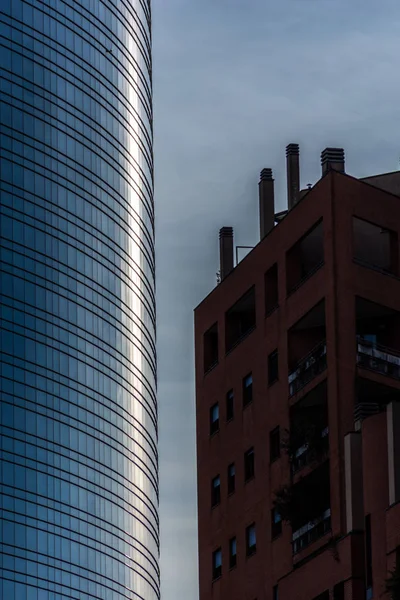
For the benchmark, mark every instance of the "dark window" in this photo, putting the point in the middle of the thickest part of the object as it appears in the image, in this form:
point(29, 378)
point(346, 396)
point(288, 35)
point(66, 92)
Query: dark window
point(323, 596)
point(251, 545)
point(275, 595)
point(240, 319)
point(232, 553)
point(374, 246)
point(247, 389)
point(217, 563)
point(274, 444)
point(271, 289)
point(231, 478)
point(230, 410)
point(305, 257)
point(276, 523)
point(368, 552)
point(215, 491)
point(249, 464)
point(338, 591)
point(273, 369)
point(214, 419)
point(210, 342)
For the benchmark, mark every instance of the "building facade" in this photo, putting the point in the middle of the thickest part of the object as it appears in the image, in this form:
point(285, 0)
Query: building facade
point(298, 397)
point(79, 464)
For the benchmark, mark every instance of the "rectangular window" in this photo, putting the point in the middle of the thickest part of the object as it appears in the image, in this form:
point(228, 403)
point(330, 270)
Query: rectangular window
point(217, 564)
point(274, 444)
point(374, 246)
point(249, 464)
point(271, 289)
point(323, 596)
point(214, 419)
point(232, 553)
point(251, 546)
point(240, 320)
point(230, 409)
point(215, 491)
point(231, 478)
point(247, 389)
point(273, 369)
point(276, 523)
point(275, 595)
point(338, 591)
point(305, 257)
point(368, 553)
point(210, 347)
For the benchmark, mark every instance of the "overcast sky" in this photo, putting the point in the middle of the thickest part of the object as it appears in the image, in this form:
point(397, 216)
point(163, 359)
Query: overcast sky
point(235, 81)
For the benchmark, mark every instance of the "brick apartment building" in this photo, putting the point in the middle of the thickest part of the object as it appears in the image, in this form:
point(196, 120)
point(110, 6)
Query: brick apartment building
point(298, 396)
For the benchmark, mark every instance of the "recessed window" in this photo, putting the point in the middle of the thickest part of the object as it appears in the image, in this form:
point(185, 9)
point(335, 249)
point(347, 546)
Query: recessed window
point(214, 419)
point(231, 478)
point(323, 596)
point(210, 343)
point(375, 246)
point(274, 444)
point(338, 591)
point(273, 369)
point(217, 564)
point(232, 553)
point(368, 553)
point(247, 389)
point(240, 320)
point(251, 545)
point(271, 289)
point(249, 464)
point(276, 523)
point(230, 409)
point(216, 491)
point(305, 257)
point(275, 594)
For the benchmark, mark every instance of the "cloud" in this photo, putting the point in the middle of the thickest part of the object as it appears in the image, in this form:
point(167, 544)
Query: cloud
point(234, 82)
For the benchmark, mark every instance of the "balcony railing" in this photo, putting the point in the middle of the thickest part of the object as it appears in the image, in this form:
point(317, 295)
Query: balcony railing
point(308, 368)
point(311, 532)
point(303, 456)
point(378, 358)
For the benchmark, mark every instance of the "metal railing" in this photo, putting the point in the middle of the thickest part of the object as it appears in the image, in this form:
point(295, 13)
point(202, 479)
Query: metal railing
point(304, 455)
point(378, 358)
point(311, 532)
point(309, 367)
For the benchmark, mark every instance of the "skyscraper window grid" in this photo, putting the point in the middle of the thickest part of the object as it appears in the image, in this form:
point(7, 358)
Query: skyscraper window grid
point(79, 482)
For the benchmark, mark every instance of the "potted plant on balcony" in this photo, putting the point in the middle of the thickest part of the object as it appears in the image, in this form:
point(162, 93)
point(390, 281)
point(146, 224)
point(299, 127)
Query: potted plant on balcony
point(284, 503)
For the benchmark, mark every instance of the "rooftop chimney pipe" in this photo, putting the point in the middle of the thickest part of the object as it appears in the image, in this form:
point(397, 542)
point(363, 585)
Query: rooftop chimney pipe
point(225, 251)
point(293, 174)
point(332, 159)
point(267, 202)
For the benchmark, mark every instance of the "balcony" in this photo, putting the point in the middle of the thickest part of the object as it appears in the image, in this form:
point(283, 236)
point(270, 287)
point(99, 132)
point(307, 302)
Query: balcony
point(377, 358)
point(311, 532)
point(305, 455)
point(308, 368)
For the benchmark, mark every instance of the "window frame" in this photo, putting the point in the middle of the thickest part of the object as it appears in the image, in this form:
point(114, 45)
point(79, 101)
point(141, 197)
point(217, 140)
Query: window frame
point(214, 424)
point(215, 491)
point(247, 477)
point(230, 478)
point(251, 550)
point(271, 357)
point(247, 397)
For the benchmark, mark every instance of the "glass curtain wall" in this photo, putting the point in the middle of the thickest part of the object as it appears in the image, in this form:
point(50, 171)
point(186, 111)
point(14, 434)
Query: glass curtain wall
point(78, 412)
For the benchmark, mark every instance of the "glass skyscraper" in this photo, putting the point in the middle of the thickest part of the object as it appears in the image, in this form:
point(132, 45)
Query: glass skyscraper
point(78, 422)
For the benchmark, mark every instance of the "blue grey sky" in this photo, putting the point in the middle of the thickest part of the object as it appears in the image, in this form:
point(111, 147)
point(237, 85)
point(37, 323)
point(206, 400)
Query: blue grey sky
point(234, 82)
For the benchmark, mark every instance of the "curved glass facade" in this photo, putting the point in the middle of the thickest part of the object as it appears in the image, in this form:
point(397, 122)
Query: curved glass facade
point(78, 422)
